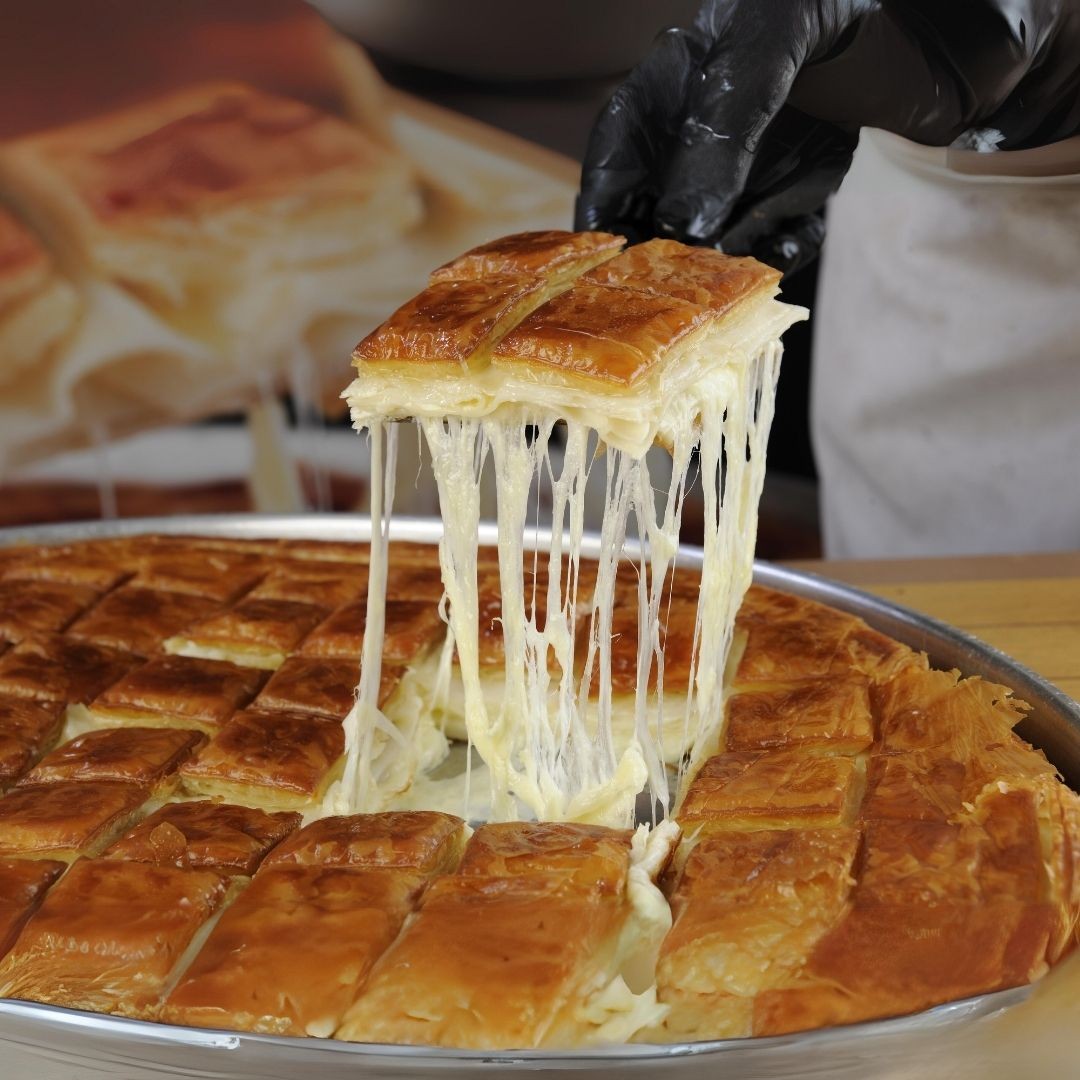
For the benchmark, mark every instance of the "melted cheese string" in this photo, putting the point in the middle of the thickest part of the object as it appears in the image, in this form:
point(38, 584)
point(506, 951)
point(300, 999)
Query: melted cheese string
point(549, 746)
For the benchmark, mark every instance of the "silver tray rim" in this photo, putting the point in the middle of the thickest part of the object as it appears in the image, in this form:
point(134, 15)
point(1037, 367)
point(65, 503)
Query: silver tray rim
point(946, 646)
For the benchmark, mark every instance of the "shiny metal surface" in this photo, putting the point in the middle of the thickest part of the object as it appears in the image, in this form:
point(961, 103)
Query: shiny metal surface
point(958, 1040)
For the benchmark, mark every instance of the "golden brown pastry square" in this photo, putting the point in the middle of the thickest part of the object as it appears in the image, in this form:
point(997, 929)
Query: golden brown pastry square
point(273, 757)
point(147, 756)
point(65, 820)
point(217, 575)
point(423, 840)
point(139, 619)
point(313, 581)
point(197, 835)
point(830, 714)
point(498, 963)
point(67, 564)
point(255, 633)
point(777, 790)
point(553, 254)
point(28, 607)
point(748, 910)
point(412, 627)
point(913, 787)
point(590, 856)
point(47, 667)
point(28, 729)
point(178, 691)
point(886, 960)
point(614, 336)
point(452, 322)
point(788, 638)
point(288, 956)
point(23, 886)
point(698, 275)
point(109, 935)
point(327, 687)
point(23, 883)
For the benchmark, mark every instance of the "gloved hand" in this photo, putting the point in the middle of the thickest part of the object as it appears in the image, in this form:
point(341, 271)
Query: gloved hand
point(734, 133)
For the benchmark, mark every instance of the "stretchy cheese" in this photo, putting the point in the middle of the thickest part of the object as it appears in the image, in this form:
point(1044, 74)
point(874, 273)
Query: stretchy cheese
point(662, 344)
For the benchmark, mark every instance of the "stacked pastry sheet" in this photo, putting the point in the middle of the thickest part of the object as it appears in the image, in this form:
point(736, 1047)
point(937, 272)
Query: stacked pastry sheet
point(868, 838)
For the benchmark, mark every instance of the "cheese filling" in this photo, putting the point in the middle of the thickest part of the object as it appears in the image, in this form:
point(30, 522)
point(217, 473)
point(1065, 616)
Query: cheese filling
point(548, 742)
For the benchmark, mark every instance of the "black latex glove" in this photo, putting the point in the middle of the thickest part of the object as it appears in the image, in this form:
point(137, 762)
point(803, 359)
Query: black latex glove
point(734, 133)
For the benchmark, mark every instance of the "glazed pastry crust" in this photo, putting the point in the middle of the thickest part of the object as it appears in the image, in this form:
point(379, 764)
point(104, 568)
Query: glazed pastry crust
point(224, 837)
point(109, 935)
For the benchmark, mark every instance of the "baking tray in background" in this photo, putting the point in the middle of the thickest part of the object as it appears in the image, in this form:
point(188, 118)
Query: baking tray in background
point(1027, 1031)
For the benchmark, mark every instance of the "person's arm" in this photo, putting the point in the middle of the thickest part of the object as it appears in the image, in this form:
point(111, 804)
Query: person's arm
point(733, 133)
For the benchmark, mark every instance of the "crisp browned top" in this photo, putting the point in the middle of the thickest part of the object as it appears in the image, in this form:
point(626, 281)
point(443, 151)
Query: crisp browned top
point(452, 321)
point(606, 316)
point(205, 835)
point(407, 839)
point(543, 253)
point(698, 275)
point(271, 748)
point(601, 332)
point(288, 955)
point(588, 855)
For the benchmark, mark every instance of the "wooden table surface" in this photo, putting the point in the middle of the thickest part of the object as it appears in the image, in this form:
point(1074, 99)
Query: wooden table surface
point(1026, 605)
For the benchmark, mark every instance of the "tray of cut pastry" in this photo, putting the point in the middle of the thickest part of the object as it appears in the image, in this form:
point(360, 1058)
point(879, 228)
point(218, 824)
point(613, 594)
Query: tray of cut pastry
point(876, 843)
point(209, 209)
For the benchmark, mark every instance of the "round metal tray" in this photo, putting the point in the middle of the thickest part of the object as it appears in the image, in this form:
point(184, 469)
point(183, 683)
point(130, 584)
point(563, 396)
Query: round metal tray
point(993, 1035)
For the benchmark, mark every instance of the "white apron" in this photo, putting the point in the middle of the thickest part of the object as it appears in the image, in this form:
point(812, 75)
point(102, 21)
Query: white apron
point(946, 385)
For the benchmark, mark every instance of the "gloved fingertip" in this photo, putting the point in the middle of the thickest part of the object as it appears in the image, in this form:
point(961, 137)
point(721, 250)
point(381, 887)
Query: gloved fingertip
point(689, 217)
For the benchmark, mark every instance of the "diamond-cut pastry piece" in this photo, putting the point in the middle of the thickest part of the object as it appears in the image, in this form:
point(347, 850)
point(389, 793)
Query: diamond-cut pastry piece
point(313, 581)
point(23, 883)
point(178, 691)
point(412, 627)
point(256, 633)
point(553, 254)
point(64, 820)
point(47, 667)
point(28, 607)
point(822, 714)
point(667, 268)
point(148, 756)
point(140, 619)
point(28, 729)
point(327, 687)
point(200, 835)
point(748, 910)
point(588, 855)
point(913, 787)
point(423, 840)
point(788, 638)
point(289, 955)
point(628, 333)
point(69, 564)
point(452, 322)
point(109, 935)
point(755, 790)
point(219, 575)
point(497, 962)
point(272, 757)
point(886, 960)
